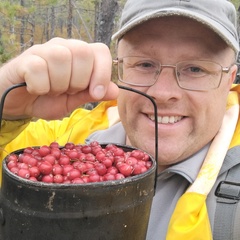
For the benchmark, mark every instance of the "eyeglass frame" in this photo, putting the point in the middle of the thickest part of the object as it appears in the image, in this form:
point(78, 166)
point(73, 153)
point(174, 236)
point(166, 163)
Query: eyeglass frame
point(160, 66)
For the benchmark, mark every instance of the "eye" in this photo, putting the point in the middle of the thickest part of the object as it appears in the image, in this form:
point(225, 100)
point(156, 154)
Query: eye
point(146, 65)
point(193, 70)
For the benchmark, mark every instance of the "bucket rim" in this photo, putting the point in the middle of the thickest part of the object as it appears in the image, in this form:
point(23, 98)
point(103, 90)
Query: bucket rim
point(108, 183)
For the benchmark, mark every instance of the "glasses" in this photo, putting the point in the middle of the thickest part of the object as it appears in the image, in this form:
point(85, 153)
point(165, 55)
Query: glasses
point(199, 75)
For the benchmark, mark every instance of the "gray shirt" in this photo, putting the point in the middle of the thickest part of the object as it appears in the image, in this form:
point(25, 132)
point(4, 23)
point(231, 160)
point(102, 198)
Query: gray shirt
point(171, 183)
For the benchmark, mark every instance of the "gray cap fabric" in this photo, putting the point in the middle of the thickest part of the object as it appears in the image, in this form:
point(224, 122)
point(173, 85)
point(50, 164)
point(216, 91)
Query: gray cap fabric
point(218, 15)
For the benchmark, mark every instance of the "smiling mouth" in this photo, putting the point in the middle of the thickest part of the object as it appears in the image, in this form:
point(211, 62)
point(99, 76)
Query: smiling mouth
point(166, 119)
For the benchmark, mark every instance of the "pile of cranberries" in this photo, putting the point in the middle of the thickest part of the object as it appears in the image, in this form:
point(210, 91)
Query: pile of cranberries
point(77, 164)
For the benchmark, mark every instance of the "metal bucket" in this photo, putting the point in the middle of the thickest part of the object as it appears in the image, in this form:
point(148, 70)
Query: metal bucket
point(111, 210)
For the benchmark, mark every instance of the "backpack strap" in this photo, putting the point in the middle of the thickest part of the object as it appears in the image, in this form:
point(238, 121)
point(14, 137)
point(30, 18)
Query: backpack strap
point(226, 225)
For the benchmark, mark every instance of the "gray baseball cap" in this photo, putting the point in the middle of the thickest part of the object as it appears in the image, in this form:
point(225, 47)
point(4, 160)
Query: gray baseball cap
point(218, 15)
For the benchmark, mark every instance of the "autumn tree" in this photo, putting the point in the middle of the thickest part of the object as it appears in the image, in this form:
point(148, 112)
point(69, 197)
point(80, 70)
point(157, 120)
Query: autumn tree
point(106, 11)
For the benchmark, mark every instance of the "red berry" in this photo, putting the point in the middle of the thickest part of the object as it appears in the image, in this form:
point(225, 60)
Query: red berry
point(56, 152)
point(33, 179)
point(90, 157)
point(101, 169)
point(112, 170)
point(91, 171)
point(125, 169)
point(28, 150)
point(82, 157)
point(86, 149)
point(34, 171)
point(94, 144)
point(73, 154)
point(118, 152)
point(32, 162)
point(11, 164)
point(58, 178)
point(110, 147)
point(85, 178)
point(109, 177)
point(14, 170)
point(24, 157)
point(12, 157)
point(138, 154)
point(82, 167)
point(77, 181)
point(69, 145)
point(96, 149)
point(131, 161)
point(50, 158)
point(44, 151)
point(100, 156)
point(148, 164)
point(94, 178)
point(54, 145)
point(66, 169)
point(89, 166)
point(107, 162)
point(64, 160)
point(24, 173)
point(22, 165)
point(118, 159)
point(119, 176)
point(47, 178)
point(81, 164)
point(57, 169)
point(74, 173)
point(45, 167)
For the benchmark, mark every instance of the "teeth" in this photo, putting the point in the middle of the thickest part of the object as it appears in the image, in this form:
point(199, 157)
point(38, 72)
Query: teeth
point(167, 119)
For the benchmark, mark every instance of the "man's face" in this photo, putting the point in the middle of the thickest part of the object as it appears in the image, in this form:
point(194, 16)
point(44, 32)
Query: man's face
point(197, 114)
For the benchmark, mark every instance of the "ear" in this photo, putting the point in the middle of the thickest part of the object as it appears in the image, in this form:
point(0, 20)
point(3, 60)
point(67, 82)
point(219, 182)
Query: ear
point(232, 75)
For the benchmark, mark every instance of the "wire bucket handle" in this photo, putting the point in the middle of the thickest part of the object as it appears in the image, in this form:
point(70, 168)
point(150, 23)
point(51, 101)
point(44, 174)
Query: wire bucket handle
point(121, 87)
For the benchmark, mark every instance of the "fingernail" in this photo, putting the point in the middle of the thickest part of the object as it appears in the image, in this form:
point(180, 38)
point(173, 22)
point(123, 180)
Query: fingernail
point(99, 91)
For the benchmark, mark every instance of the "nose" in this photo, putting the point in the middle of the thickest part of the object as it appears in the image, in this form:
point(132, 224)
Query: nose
point(166, 87)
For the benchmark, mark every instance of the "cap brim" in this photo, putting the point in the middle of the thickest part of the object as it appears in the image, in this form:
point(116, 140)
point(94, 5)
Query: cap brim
point(224, 33)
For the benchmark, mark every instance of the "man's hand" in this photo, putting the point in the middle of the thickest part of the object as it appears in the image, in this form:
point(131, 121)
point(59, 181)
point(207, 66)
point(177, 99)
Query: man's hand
point(60, 76)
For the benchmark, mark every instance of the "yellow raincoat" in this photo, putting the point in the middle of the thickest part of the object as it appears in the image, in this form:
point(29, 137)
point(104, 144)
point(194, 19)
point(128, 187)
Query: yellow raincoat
point(190, 218)
point(75, 128)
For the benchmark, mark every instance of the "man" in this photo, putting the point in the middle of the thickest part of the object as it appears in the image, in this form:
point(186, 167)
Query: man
point(180, 53)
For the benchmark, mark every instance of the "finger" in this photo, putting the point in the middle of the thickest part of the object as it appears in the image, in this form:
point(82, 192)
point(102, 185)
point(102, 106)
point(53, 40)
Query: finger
point(91, 67)
point(82, 63)
point(101, 75)
point(82, 66)
point(59, 60)
point(33, 70)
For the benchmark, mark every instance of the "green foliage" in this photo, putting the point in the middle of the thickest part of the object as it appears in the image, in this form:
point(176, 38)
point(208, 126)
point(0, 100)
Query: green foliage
point(27, 22)
point(11, 10)
point(236, 3)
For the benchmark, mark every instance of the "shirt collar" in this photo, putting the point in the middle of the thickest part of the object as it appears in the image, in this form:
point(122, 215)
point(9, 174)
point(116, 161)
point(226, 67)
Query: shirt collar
point(188, 168)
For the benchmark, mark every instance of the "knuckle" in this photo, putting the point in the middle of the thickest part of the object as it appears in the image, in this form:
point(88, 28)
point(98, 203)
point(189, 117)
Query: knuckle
point(59, 53)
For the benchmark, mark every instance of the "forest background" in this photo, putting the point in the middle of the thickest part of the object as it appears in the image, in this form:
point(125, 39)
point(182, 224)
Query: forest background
point(28, 22)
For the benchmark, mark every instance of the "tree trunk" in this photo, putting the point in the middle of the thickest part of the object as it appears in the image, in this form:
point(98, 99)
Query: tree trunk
point(70, 19)
point(22, 29)
point(106, 11)
point(53, 21)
